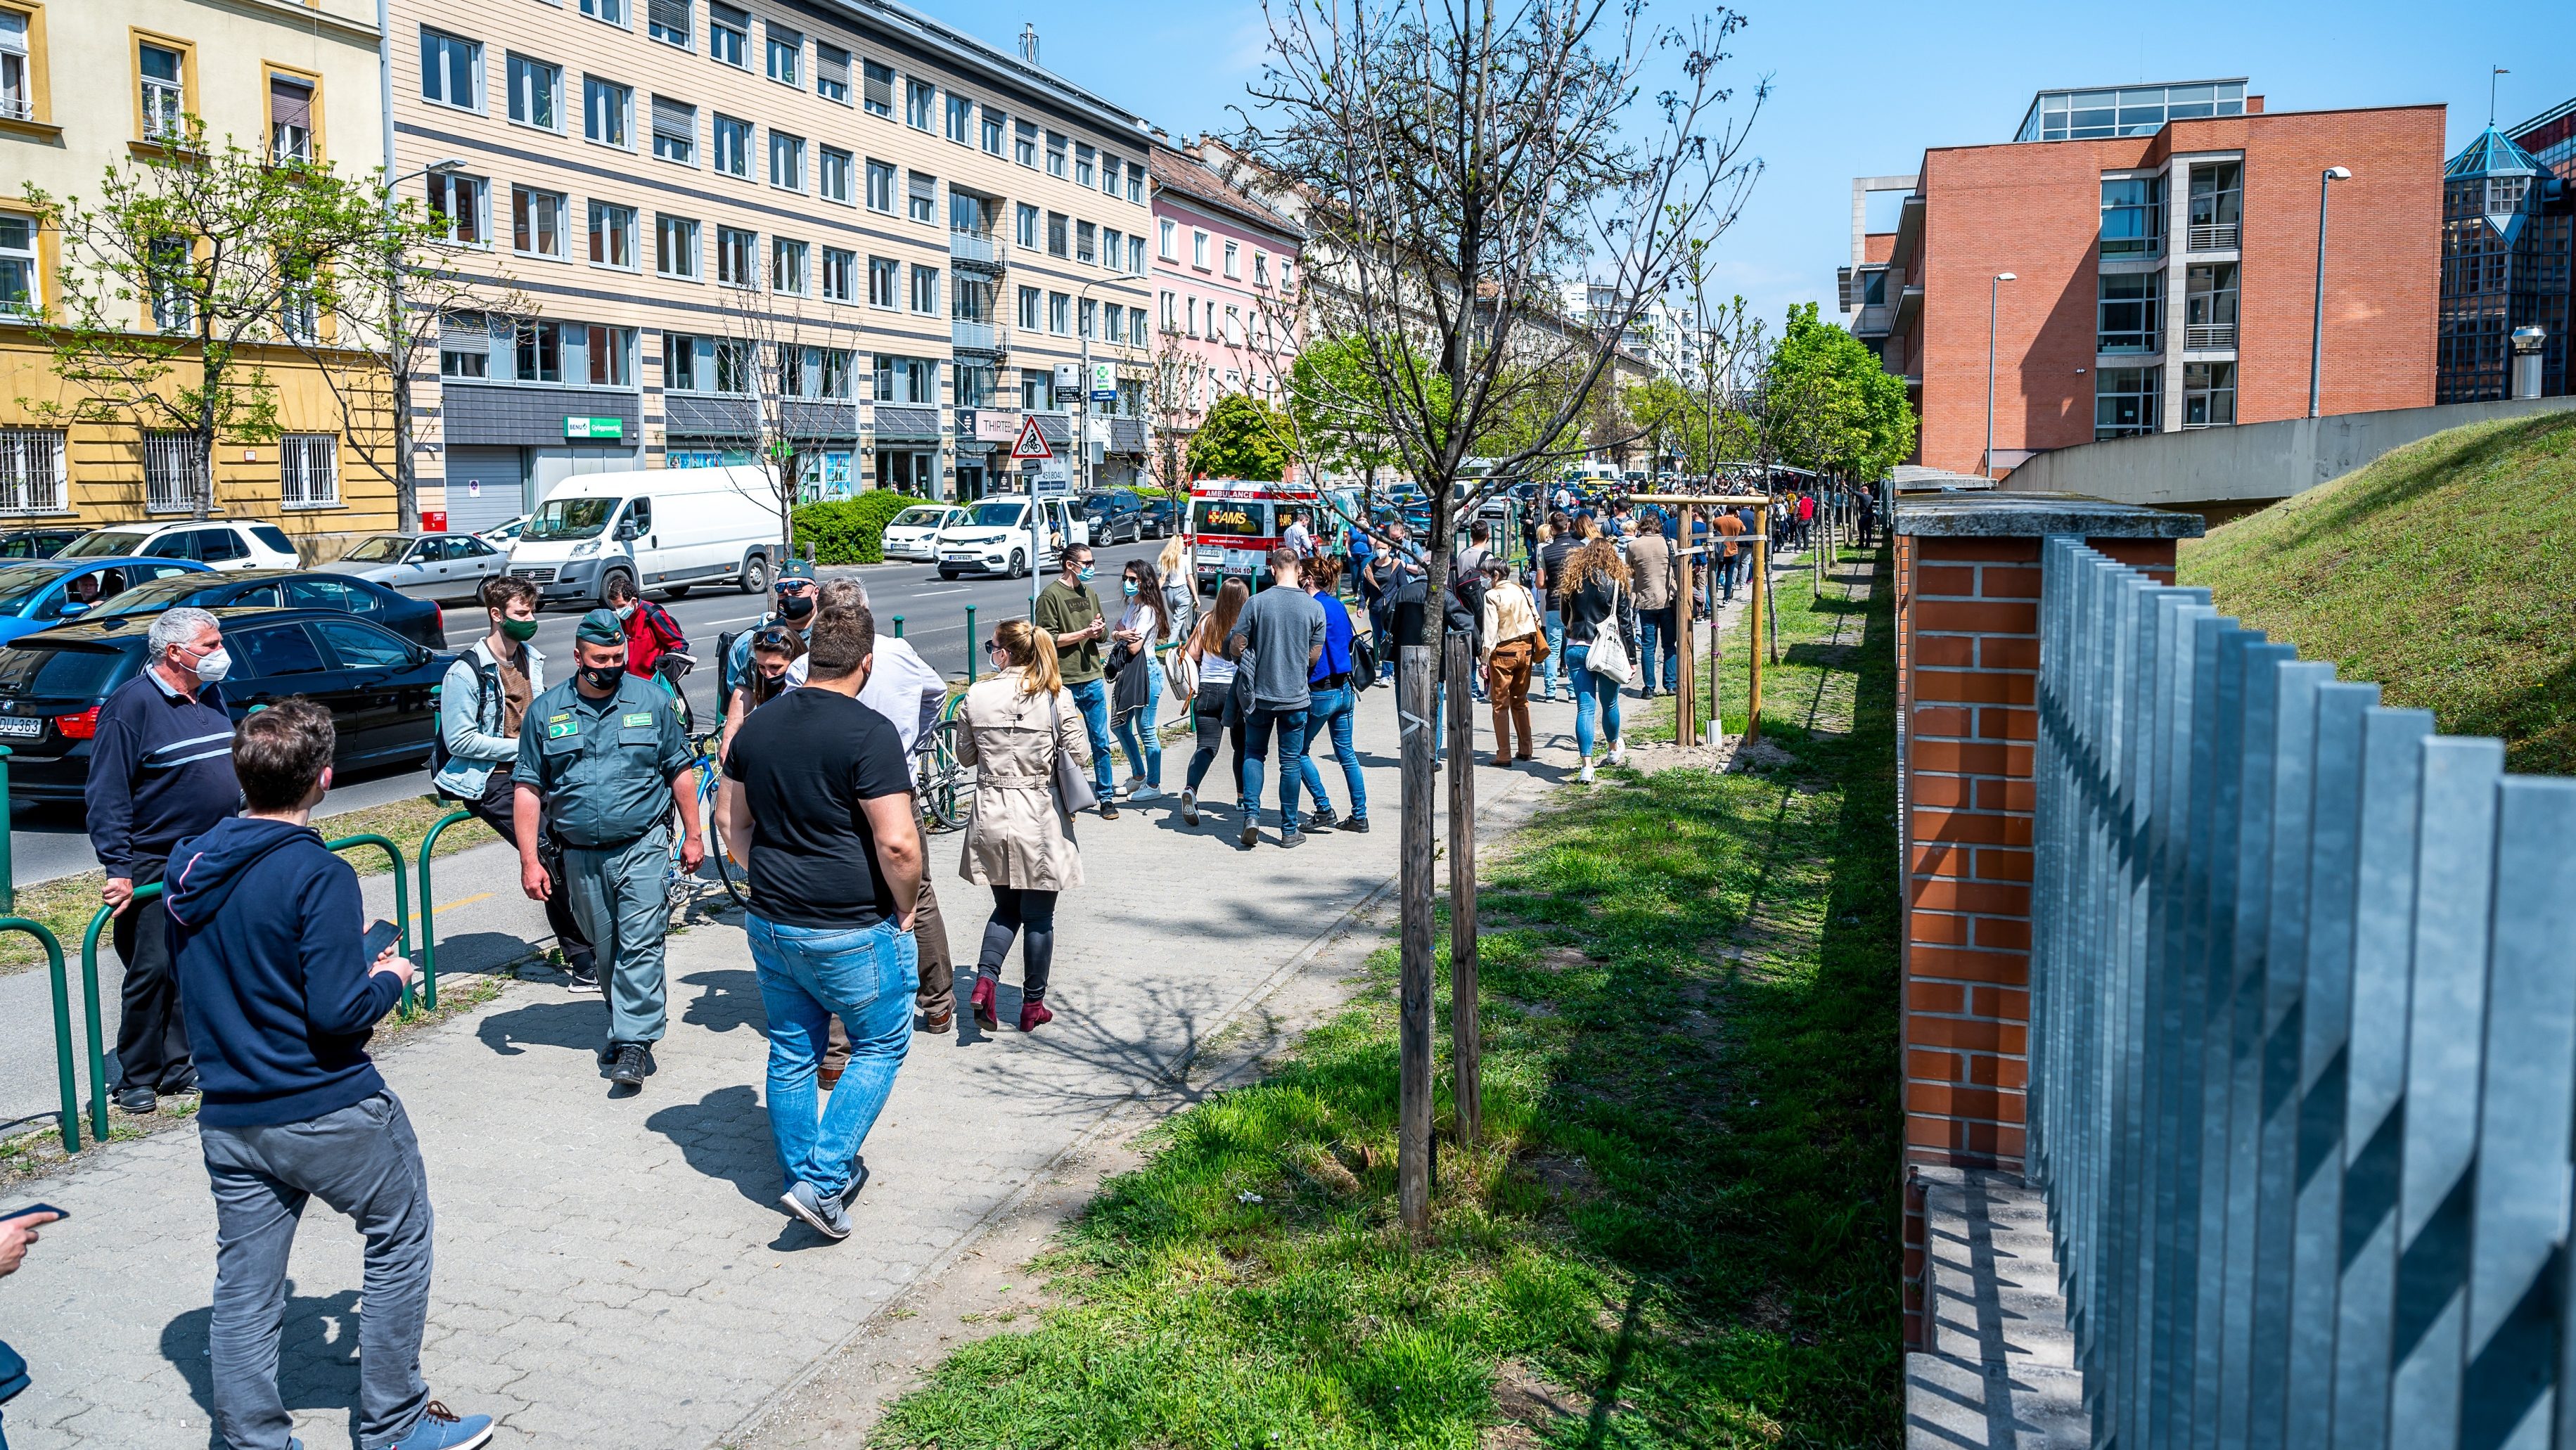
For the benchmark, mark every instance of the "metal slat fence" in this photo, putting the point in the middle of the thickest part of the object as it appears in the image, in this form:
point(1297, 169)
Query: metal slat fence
point(2303, 1043)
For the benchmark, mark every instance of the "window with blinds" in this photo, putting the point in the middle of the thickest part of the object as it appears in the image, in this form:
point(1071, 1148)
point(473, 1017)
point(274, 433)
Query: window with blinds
point(290, 119)
point(668, 20)
point(831, 73)
point(464, 345)
point(308, 470)
point(880, 89)
point(32, 480)
point(675, 130)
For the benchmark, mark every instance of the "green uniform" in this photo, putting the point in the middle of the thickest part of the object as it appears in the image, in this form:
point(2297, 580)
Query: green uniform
point(605, 768)
point(1064, 609)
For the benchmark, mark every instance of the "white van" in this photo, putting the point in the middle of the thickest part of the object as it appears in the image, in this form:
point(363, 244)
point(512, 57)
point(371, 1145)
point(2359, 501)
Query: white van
point(992, 537)
point(670, 529)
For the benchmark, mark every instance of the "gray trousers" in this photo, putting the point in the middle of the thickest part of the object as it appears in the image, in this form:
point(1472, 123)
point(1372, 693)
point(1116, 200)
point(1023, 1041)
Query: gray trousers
point(622, 898)
point(364, 1162)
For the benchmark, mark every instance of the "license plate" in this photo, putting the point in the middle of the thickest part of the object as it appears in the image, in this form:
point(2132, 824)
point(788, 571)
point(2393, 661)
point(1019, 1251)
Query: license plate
point(1241, 558)
point(20, 728)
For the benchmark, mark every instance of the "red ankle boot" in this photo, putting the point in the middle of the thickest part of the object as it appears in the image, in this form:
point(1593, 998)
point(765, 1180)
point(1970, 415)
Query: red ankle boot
point(1033, 1013)
point(982, 1002)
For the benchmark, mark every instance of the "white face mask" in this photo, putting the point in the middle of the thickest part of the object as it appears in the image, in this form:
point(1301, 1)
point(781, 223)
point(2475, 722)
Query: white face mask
point(217, 664)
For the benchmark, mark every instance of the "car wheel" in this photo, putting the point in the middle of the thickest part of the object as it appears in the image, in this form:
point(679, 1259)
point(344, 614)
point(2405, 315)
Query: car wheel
point(755, 574)
point(1019, 565)
point(677, 591)
point(607, 582)
point(948, 574)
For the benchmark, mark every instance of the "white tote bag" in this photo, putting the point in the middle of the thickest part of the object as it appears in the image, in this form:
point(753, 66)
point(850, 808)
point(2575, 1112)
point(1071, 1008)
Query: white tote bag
point(1608, 657)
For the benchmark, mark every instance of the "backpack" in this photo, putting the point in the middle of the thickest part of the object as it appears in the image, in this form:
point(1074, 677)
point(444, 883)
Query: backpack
point(1363, 661)
point(487, 679)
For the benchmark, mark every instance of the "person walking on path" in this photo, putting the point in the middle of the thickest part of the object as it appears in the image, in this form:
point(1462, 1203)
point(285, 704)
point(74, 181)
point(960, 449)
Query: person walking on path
point(1283, 627)
point(1480, 547)
point(1731, 555)
point(1650, 562)
point(160, 768)
point(608, 756)
point(1598, 597)
point(824, 800)
point(1332, 694)
point(1180, 599)
point(1298, 539)
point(1143, 630)
point(1558, 545)
point(1512, 640)
point(1019, 841)
point(1212, 713)
point(270, 934)
point(1070, 614)
point(482, 702)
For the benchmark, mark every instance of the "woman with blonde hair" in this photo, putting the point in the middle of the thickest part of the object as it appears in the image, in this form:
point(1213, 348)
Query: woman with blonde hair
point(1595, 596)
point(1180, 598)
point(1020, 840)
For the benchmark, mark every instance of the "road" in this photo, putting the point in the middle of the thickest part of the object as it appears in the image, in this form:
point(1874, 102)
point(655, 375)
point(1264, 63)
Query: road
point(47, 842)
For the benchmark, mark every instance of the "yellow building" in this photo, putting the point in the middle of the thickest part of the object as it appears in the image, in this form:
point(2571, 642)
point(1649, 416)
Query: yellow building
point(288, 78)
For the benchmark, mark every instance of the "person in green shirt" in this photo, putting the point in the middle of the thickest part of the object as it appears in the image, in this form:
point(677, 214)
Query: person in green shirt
point(1068, 610)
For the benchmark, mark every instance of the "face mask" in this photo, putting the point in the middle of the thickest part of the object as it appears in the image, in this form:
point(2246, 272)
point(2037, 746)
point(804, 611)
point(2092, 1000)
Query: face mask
point(626, 611)
point(1085, 573)
point(217, 664)
point(1130, 587)
point(603, 677)
point(519, 629)
point(795, 606)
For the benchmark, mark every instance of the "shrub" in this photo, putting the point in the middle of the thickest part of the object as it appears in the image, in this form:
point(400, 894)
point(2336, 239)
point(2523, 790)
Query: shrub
point(849, 531)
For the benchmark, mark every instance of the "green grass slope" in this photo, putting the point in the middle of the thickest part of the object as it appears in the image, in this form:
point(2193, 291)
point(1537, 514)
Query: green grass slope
point(2445, 572)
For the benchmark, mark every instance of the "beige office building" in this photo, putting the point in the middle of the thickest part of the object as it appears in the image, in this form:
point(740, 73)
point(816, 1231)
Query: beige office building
point(899, 228)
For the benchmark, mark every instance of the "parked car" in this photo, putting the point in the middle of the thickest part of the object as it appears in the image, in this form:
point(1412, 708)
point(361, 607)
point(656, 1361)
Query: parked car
point(424, 566)
point(1115, 515)
point(661, 528)
point(380, 689)
point(1162, 518)
point(35, 543)
point(211, 542)
point(417, 620)
point(40, 593)
point(914, 533)
point(993, 537)
point(502, 536)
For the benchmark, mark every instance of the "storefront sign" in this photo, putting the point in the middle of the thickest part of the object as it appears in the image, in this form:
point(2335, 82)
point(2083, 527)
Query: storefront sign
point(594, 428)
point(994, 426)
point(1104, 382)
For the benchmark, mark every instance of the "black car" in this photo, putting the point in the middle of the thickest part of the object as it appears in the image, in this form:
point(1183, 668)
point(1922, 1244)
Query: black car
point(417, 620)
point(35, 543)
point(1115, 514)
point(380, 689)
point(1162, 518)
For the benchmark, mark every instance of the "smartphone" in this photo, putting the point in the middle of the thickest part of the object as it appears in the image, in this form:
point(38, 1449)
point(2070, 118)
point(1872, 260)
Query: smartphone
point(380, 936)
point(31, 1210)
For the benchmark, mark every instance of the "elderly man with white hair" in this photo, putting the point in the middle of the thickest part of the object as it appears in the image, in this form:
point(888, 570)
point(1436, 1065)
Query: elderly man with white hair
point(161, 770)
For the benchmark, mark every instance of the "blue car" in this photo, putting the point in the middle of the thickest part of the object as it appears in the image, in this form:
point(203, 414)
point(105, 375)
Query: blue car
point(41, 593)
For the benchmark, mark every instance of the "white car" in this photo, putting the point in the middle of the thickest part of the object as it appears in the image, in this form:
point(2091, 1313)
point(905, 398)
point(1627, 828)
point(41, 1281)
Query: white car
point(993, 537)
point(215, 543)
point(914, 533)
point(502, 536)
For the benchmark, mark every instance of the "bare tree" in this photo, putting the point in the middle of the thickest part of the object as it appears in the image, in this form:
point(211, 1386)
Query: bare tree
point(794, 393)
point(1172, 379)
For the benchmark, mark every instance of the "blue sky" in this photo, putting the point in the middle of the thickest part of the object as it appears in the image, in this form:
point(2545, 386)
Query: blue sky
point(1861, 87)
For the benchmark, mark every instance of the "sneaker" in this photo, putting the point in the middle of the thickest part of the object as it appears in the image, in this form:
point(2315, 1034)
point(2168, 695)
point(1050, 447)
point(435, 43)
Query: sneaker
point(1619, 753)
point(1034, 1015)
point(1108, 810)
point(1356, 825)
point(858, 1180)
point(823, 1211)
point(1320, 821)
point(982, 1003)
point(581, 979)
point(1127, 791)
point(1291, 836)
point(1190, 807)
point(138, 1100)
point(440, 1428)
point(1586, 775)
point(1145, 793)
point(1251, 833)
point(634, 1064)
point(938, 1023)
point(827, 1078)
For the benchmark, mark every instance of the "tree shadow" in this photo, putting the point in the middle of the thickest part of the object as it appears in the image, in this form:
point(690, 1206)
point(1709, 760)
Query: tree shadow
point(317, 1356)
point(730, 998)
point(726, 1135)
point(573, 1022)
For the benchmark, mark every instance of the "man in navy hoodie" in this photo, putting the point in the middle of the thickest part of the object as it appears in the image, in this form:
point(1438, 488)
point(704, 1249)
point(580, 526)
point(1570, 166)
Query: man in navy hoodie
point(269, 933)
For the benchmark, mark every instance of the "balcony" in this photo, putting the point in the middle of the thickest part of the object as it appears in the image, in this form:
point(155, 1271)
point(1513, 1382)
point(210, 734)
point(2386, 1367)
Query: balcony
point(967, 335)
point(2213, 236)
point(979, 250)
point(2209, 334)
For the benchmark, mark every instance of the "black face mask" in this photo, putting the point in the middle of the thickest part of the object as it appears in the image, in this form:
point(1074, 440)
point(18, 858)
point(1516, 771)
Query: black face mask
point(796, 606)
point(603, 677)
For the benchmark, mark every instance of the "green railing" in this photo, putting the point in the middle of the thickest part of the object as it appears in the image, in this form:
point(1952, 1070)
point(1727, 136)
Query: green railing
point(63, 1037)
point(150, 891)
point(402, 895)
point(429, 913)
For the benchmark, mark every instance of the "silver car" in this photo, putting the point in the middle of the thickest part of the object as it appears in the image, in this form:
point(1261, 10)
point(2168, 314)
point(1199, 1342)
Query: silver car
point(424, 566)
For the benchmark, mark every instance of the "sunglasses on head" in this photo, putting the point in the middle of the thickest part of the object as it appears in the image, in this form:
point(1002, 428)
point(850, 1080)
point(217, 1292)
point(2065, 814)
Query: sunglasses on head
point(773, 638)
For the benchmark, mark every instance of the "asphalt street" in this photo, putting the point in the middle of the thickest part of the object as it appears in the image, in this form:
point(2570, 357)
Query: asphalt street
point(47, 842)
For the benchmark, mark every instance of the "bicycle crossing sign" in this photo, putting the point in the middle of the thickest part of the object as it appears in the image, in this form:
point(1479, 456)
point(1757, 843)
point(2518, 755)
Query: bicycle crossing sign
point(1032, 444)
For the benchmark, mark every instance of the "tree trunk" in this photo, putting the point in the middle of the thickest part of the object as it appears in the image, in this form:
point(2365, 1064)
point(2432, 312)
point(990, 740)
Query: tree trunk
point(1416, 676)
point(1466, 1039)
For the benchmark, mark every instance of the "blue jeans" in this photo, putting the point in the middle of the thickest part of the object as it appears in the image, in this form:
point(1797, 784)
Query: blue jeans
point(1330, 711)
point(1145, 756)
point(1591, 693)
point(1555, 649)
point(1091, 697)
point(1659, 629)
point(1291, 725)
point(809, 975)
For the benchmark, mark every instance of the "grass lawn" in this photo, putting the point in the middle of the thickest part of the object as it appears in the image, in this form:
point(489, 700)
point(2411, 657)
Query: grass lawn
point(1682, 1228)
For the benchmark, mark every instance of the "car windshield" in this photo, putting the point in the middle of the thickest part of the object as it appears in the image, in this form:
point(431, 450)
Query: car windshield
point(106, 544)
point(21, 584)
point(918, 518)
point(382, 549)
point(79, 672)
point(570, 518)
point(154, 595)
point(998, 515)
point(1227, 516)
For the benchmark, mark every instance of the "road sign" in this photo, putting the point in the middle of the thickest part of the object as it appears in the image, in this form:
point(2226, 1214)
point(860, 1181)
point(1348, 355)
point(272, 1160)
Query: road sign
point(1032, 443)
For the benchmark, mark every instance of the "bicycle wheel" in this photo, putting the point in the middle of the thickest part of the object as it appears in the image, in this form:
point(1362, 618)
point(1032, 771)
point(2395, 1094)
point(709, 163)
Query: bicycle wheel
point(734, 875)
point(941, 781)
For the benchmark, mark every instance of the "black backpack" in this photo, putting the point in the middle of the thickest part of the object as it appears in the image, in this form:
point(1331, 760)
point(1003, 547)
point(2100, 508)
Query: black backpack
point(1363, 661)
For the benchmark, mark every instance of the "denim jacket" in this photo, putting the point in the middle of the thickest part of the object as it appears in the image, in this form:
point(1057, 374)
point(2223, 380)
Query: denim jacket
point(470, 718)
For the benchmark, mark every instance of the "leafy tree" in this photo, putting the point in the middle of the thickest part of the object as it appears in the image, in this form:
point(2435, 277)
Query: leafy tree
point(1242, 437)
point(1829, 406)
point(1665, 415)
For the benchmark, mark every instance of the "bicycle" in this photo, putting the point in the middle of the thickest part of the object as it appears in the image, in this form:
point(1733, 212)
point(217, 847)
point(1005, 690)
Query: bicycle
point(938, 778)
point(731, 874)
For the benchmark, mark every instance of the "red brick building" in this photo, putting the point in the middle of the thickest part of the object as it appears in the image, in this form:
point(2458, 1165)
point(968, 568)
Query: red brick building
point(2163, 241)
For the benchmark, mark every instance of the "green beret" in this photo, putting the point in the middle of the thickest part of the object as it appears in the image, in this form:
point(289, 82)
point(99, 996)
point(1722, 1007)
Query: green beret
point(600, 626)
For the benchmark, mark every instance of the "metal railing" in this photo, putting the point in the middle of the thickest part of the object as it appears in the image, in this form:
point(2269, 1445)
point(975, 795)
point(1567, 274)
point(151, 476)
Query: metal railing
point(428, 912)
point(2303, 1041)
point(2210, 237)
point(2209, 334)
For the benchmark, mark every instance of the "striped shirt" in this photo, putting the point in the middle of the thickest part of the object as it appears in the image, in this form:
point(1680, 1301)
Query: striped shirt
point(161, 770)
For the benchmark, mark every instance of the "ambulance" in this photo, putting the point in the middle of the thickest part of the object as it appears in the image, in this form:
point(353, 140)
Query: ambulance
point(1234, 523)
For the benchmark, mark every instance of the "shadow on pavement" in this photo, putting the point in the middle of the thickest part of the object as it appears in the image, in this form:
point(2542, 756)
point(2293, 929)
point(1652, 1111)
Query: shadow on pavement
point(727, 999)
point(570, 1022)
point(726, 1135)
point(317, 1355)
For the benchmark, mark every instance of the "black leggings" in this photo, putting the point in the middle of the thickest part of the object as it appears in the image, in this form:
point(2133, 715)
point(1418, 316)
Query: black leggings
point(1015, 912)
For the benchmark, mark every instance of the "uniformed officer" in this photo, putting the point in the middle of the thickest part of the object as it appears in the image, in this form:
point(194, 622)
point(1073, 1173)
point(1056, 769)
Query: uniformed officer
point(607, 752)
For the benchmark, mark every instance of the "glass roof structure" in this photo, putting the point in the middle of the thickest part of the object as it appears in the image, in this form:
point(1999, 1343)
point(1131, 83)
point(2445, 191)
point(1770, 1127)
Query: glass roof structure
point(2493, 153)
point(2127, 110)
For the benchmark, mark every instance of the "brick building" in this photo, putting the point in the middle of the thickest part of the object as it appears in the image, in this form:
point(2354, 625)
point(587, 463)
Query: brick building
point(2163, 242)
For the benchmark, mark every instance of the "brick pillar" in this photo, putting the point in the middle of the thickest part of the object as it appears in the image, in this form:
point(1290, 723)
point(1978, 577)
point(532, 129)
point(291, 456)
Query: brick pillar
point(1967, 682)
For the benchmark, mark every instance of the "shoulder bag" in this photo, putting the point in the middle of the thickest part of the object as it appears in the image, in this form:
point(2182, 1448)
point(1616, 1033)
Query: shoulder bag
point(1608, 656)
point(1181, 674)
point(1073, 792)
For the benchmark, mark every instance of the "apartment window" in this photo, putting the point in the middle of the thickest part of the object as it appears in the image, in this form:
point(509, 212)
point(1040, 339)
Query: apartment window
point(1026, 225)
point(2130, 313)
point(451, 73)
point(1167, 245)
point(612, 11)
point(2216, 208)
point(173, 467)
point(907, 379)
point(2125, 401)
point(1171, 306)
point(878, 95)
point(464, 345)
point(1083, 169)
point(787, 267)
point(1059, 313)
point(975, 383)
point(1190, 316)
point(537, 349)
point(1136, 182)
point(17, 85)
point(610, 355)
point(729, 35)
point(1059, 226)
point(1261, 269)
point(924, 196)
point(604, 109)
point(1086, 242)
point(732, 361)
point(612, 235)
point(970, 299)
point(2208, 395)
point(308, 470)
point(1029, 308)
point(813, 372)
point(32, 480)
point(18, 289)
point(675, 246)
point(668, 21)
point(733, 146)
point(1024, 142)
point(680, 362)
point(2209, 305)
point(968, 212)
point(1199, 250)
point(2133, 216)
point(536, 92)
point(1087, 323)
point(536, 222)
point(171, 264)
point(786, 161)
point(675, 131)
point(290, 119)
point(1233, 334)
point(832, 73)
point(1233, 260)
point(880, 186)
point(925, 290)
point(736, 250)
point(786, 55)
point(832, 174)
point(992, 130)
point(1055, 153)
point(885, 278)
point(456, 204)
point(164, 91)
point(1113, 248)
point(1109, 169)
point(919, 97)
point(840, 275)
point(1136, 326)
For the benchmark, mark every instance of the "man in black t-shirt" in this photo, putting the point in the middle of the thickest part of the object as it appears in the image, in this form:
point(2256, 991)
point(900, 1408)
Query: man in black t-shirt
point(825, 801)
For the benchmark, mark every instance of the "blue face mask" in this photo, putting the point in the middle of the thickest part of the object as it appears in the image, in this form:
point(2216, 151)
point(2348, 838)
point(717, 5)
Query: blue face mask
point(1130, 587)
point(1086, 572)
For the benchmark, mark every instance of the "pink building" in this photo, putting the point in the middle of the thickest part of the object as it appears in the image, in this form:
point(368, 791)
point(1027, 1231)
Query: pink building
point(1224, 278)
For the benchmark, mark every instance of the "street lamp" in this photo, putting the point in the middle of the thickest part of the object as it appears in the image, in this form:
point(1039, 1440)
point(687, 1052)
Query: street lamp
point(2317, 323)
point(406, 484)
point(1994, 291)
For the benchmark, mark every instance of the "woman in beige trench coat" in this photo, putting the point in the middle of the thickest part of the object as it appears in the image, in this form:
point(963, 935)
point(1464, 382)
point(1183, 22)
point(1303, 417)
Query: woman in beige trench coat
point(1018, 842)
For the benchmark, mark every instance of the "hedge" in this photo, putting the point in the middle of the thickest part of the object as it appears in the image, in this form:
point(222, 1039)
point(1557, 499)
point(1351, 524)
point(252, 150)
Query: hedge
point(849, 531)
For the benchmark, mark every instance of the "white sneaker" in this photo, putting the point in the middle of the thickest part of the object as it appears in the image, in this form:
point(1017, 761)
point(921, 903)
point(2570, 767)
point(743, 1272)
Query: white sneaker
point(1145, 793)
point(1586, 776)
point(1190, 806)
point(1619, 753)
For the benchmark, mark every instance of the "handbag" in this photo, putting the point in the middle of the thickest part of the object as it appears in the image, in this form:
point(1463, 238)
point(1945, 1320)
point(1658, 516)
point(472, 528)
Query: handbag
point(1608, 656)
point(1181, 675)
point(1073, 792)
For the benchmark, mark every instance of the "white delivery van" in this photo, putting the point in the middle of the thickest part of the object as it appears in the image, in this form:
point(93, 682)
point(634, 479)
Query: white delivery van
point(670, 529)
point(992, 536)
